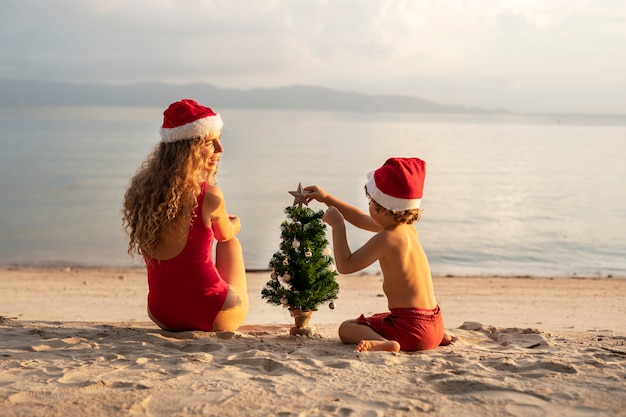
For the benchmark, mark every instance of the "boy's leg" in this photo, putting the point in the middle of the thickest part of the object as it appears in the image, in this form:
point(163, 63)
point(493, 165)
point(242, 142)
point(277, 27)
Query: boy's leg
point(352, 332)
point(229, 262)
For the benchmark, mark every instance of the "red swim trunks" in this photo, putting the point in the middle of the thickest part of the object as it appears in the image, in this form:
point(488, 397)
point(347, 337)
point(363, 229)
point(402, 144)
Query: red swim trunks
point(414, 328)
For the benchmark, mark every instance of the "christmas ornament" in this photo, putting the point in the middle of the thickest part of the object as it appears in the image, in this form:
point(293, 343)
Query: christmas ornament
point(299, 196)
point(295, 244)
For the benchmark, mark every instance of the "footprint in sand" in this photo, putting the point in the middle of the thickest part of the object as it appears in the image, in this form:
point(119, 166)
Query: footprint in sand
point(537, 369)
point(468, 386)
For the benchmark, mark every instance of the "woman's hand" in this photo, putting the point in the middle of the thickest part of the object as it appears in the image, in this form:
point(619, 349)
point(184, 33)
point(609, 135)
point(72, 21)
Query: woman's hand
point(236, 223)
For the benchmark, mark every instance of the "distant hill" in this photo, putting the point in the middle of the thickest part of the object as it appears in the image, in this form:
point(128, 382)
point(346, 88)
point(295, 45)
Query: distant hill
point(39, 93)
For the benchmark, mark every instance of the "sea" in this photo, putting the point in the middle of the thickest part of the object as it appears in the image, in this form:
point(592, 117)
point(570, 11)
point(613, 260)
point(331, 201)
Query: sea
point(505, 194)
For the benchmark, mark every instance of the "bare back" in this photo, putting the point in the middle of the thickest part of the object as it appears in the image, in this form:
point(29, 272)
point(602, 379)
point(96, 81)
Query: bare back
point(173, 240)
point(407, 281)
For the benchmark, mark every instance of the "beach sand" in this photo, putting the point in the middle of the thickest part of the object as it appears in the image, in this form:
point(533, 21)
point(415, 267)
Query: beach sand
point(78, 342)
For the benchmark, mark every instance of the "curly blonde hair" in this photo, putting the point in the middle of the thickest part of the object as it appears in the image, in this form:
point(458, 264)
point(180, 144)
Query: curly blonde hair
point(166, 186)
point(409, 216)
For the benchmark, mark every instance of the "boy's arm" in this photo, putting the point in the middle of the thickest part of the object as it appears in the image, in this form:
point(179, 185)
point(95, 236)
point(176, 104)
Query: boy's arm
point(351, 214)
point(346, 261)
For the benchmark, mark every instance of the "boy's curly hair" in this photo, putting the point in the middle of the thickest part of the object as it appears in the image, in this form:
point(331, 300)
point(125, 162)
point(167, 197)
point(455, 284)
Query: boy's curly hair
point(409, 216)
point(165, 187)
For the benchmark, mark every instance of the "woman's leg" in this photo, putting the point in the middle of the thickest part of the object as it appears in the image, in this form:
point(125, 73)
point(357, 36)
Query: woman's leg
point(230, 264)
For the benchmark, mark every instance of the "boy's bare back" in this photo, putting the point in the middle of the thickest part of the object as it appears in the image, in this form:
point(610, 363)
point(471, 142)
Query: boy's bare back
point(407, 281)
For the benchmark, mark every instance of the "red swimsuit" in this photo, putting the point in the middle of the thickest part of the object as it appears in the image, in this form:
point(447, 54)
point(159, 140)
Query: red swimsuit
point(187, 291)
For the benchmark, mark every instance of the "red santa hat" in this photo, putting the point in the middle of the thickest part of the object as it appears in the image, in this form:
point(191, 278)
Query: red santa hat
point(398, 184)
point(186, 119)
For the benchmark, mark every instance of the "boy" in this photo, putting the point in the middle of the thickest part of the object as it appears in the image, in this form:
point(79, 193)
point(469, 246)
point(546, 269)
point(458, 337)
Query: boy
point(414, 321)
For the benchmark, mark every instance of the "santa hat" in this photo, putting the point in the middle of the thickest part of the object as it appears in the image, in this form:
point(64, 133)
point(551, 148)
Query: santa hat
point(398, 184)
point(186, 119)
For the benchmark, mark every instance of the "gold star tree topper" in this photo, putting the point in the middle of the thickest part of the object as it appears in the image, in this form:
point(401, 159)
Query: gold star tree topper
point(299, 196)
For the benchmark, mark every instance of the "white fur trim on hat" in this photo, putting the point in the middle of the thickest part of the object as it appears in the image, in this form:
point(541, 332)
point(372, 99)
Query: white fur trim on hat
point(196, 129)
point(387, 201)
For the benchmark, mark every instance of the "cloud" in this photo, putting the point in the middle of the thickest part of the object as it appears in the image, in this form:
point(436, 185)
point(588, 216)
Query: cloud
point(519, 54)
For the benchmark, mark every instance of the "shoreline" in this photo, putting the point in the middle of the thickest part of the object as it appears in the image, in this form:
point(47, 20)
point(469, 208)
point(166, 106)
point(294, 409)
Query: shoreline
point(119, 294)
point(68, 266)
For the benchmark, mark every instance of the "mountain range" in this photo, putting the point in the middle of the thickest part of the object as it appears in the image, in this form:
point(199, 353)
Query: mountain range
point(296, 97)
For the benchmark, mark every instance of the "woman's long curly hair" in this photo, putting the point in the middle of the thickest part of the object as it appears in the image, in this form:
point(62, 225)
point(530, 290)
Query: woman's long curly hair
point(165, 187)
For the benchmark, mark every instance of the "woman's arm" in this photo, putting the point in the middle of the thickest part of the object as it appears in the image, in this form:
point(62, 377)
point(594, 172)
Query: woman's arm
point(224, 226)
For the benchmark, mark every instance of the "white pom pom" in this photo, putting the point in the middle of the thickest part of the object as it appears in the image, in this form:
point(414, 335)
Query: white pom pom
point(326, 251)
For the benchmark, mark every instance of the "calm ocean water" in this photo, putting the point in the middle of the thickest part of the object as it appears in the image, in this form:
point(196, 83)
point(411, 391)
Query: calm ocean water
point(504, 194)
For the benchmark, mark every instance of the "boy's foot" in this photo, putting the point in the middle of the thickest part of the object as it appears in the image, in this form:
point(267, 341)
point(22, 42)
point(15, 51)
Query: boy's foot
point(378, 345)
point(447, 340)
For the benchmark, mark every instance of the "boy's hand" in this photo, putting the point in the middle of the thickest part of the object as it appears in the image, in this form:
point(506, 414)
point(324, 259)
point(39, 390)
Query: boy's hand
point(313, 192)
point(333, 216)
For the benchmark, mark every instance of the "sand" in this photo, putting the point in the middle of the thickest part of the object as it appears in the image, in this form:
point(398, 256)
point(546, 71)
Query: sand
point(78, 342)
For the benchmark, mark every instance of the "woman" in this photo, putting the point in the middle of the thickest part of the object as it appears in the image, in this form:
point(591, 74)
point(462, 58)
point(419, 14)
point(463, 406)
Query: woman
point(172, 212)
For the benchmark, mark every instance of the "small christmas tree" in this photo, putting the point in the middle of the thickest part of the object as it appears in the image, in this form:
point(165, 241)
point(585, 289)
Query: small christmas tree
point(303, 272)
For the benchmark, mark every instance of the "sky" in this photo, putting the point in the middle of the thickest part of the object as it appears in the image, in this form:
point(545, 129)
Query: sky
point(528, 56)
